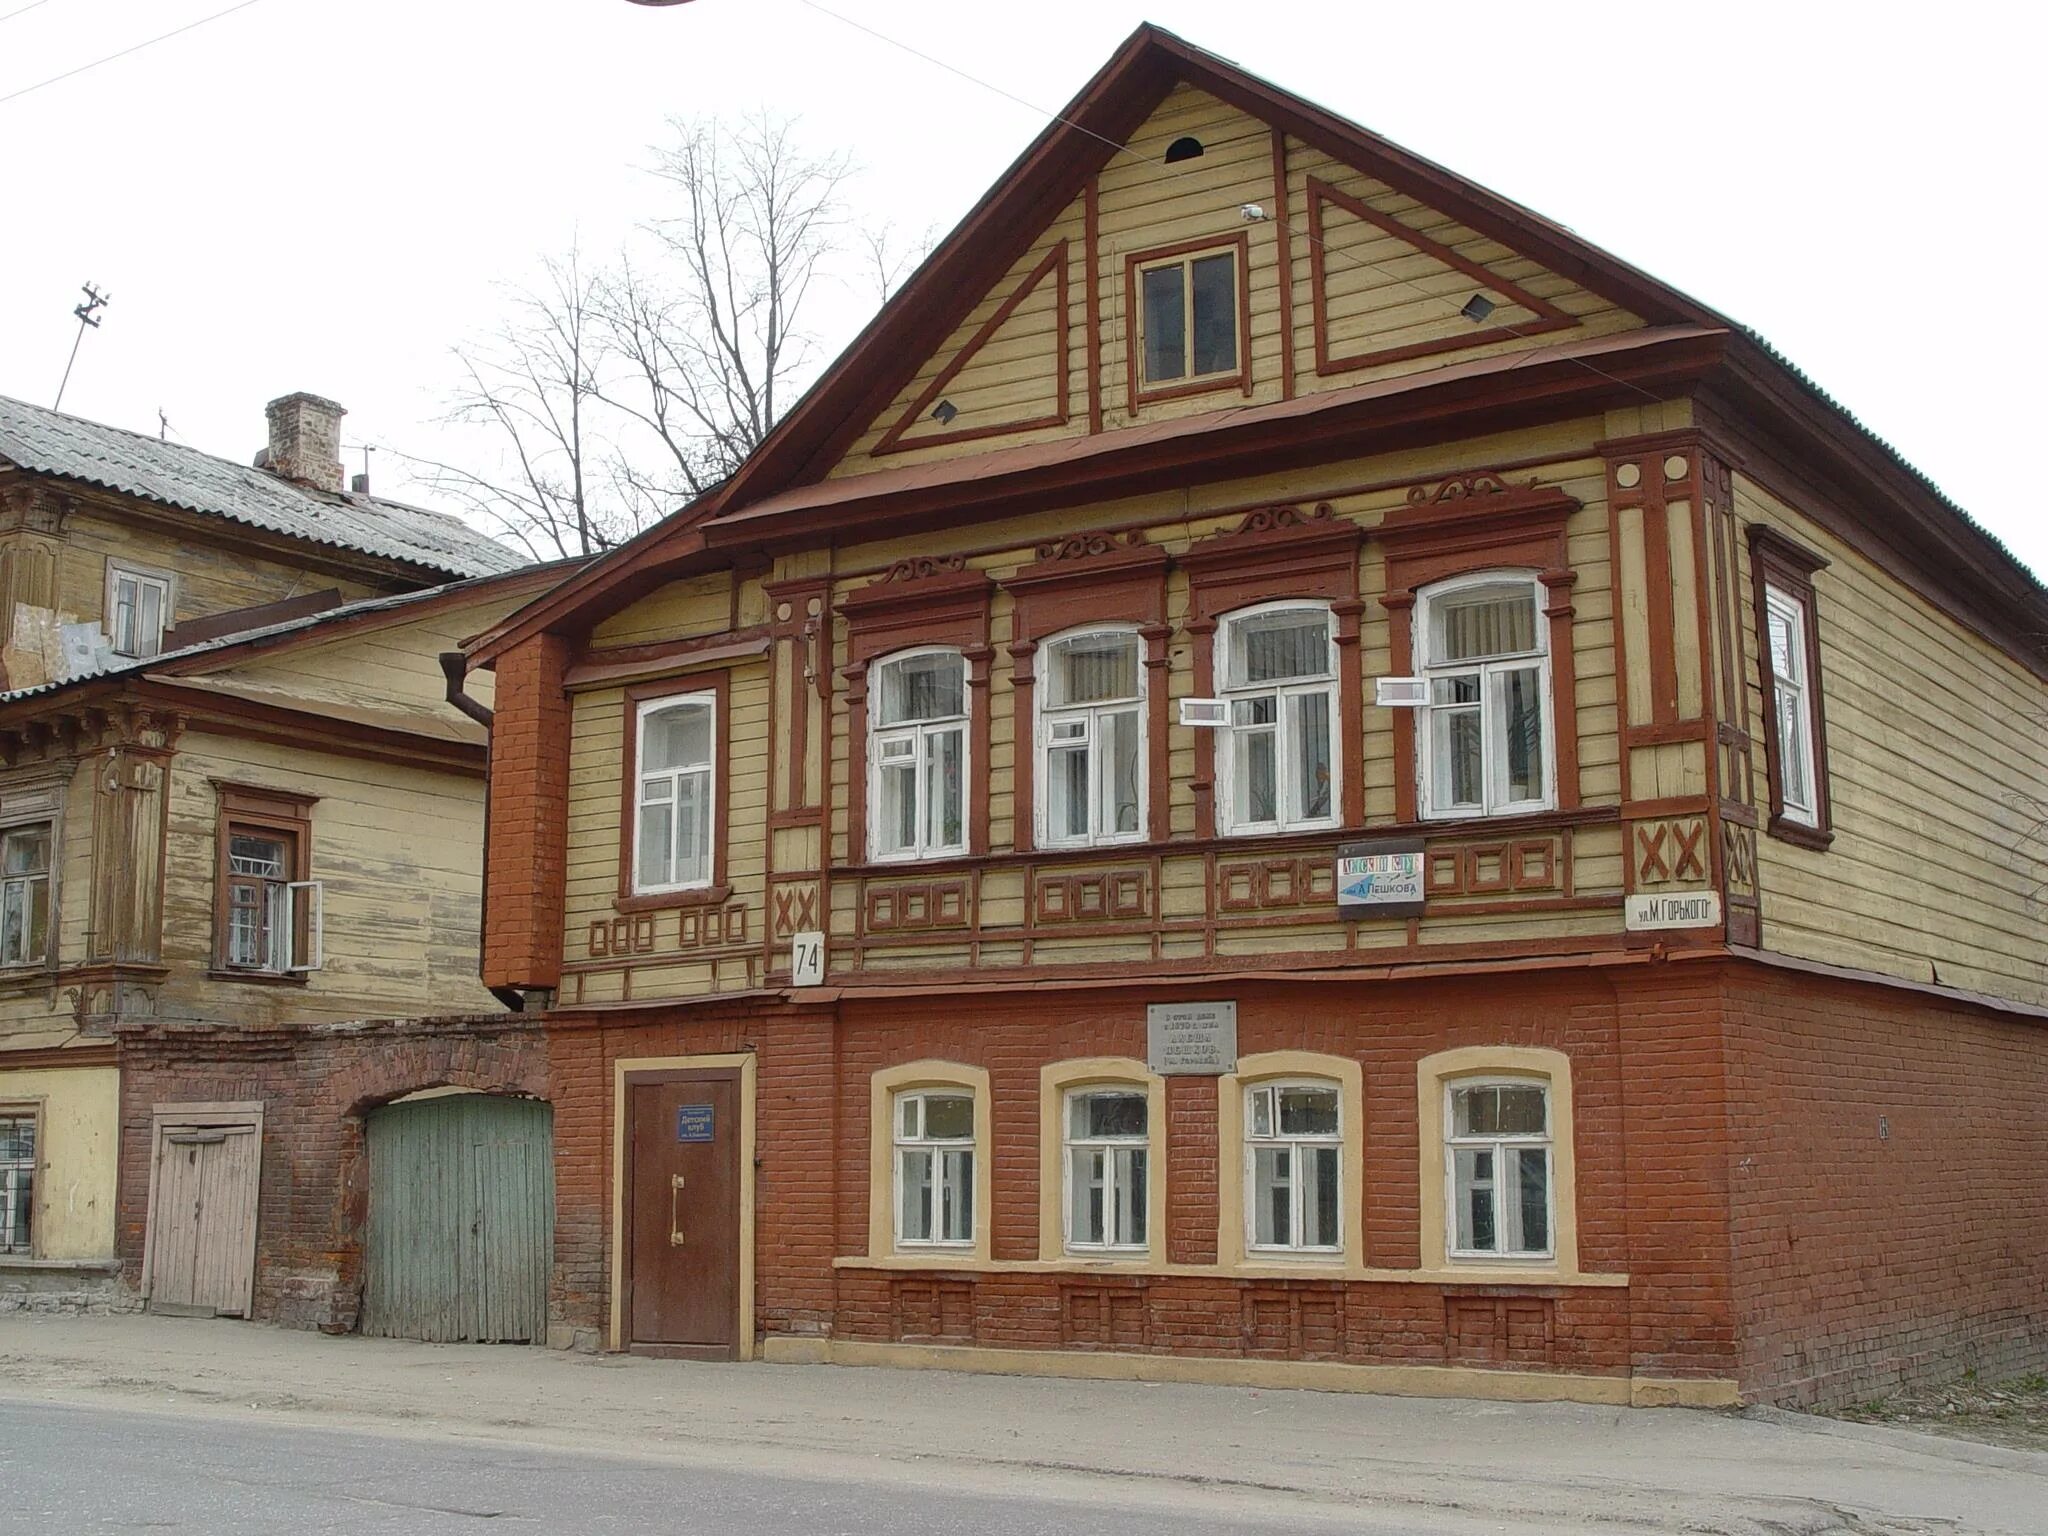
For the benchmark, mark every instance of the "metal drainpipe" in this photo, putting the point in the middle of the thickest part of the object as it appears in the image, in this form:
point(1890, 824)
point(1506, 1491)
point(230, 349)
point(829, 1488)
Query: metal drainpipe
point(455, 668)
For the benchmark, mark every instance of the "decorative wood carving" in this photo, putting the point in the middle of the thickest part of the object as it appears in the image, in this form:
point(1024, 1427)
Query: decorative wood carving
point(1092, 896)
point(1674, 852)
point(711, 927)
point(632, 934)
point(1518, 865)
point(1266, 885)
point(797, 907)
point(898, 906)
point(1469, 487)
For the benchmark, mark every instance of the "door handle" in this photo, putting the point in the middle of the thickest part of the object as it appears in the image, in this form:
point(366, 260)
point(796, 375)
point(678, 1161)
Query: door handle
point(675, 1226)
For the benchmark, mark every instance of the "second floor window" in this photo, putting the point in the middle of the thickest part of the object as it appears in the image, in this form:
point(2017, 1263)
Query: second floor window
point(1092, 739)
point(674, 805)
point(1791, 689)
point(25, 894)
point(1279, 672)
point(138, 610)
point(1486, 730)
point(1188, 318)
point(917, 755)
point(273, 918)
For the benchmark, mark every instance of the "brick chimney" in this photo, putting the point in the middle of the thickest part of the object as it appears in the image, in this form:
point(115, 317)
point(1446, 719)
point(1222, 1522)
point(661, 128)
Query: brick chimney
point(305, 441)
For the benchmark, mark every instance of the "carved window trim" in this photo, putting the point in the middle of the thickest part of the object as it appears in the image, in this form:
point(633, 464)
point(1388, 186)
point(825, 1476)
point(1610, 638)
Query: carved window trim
point(284, 814)
point(919, 733)
point(1429, 667)
point(1779, 564)
point(1470, 524)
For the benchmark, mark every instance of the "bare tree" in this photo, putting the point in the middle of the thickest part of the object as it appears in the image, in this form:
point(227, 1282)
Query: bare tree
point(614, 396)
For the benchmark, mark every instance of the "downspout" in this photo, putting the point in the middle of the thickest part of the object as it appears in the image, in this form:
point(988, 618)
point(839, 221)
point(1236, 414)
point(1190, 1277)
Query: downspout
point(455, 668)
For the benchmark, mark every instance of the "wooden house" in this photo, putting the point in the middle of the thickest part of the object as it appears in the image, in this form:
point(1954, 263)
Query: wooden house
point(1288, 774)
point(233, 798)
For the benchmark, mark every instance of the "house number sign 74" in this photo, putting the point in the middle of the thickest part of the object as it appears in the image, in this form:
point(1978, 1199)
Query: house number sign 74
point(807, 960)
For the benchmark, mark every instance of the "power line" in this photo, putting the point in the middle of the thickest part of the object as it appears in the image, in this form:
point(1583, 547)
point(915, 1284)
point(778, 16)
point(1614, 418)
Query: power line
point(135, 48)
point(22, 10)
point(1307, 236)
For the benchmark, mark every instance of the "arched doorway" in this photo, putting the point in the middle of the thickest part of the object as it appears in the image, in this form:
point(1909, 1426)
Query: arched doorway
point(461, 1228)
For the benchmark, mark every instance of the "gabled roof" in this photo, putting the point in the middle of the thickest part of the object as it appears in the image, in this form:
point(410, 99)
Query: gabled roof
point(312, 629)
point(1079, 141)
point(52, 443)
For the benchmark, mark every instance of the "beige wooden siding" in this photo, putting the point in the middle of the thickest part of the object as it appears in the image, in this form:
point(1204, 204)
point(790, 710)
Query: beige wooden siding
point(399, 852)
point(1382, 290)
point(700, 605)
point(1938, 766)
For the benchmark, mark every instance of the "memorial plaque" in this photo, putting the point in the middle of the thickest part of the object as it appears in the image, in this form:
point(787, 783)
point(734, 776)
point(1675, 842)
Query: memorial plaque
point(1191, 1039)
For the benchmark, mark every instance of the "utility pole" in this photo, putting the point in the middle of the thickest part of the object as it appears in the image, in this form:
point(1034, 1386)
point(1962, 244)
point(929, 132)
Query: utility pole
point(88, 314)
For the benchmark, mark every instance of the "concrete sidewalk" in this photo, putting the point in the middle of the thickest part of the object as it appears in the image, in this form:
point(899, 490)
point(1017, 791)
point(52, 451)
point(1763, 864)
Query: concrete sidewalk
point(1437, 1466)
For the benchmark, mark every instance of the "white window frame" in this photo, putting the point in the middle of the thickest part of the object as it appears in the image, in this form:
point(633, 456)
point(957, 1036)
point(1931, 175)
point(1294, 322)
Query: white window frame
point(917, 735)
point(1492, 702)
point(1107, 1145)
point(1288, 817)
point(26, 884)
point(1798, 692)
point(304, 900)
point(166, 586)
point(707, 770)
point(1186, 260)
point(1088, 717)
point(1499, 1145)
point(1296, 1184)
point(12, 1192)
point(939, 1149)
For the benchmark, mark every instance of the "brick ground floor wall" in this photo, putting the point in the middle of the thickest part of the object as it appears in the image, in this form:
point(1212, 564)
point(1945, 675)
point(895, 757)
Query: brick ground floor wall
point(1888, 1187)
point(317, 1085)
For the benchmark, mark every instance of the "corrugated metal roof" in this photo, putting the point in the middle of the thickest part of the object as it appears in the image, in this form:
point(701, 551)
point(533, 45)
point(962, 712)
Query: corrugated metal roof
point(52, 443)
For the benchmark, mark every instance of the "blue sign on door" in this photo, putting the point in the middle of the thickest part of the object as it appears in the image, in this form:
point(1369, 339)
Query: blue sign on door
point(694, 1122)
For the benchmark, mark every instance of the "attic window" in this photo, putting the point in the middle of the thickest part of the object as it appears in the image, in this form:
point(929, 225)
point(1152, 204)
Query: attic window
point(1187, 147)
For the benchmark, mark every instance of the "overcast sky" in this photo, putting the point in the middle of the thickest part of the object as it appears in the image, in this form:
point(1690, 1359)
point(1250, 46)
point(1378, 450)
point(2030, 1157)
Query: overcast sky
point(329, 196)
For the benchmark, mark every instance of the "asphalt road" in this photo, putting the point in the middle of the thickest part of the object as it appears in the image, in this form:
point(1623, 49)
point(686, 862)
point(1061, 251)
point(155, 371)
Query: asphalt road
point(85, 1470)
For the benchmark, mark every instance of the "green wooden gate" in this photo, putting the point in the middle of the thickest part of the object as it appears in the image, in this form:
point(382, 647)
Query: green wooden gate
point(462, 1219)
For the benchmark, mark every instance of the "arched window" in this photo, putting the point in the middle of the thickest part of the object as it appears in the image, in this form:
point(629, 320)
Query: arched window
point(1486, 733)
point(917, 755)
point(674, 804)
point(1277, 664)
point(1091, 739)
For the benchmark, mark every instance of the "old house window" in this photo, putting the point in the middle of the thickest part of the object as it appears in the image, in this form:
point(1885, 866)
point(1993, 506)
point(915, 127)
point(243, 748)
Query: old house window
point(270, 912)
point(1278, 772)
point(17, 1178)
point(675, 804)
point(1482, 646)
point(1187, 308)
point(1293, 1143)
point(934, 1167)
point(138, 610)
point(1108, 1151)
point(1091, 733)
point(1791, 667)
point(917, 756)
point(25, 894)
point(1497, 1165)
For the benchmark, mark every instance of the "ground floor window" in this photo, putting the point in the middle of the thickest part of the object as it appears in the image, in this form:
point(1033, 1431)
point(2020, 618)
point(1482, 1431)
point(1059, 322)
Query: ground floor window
point(1294, 1135)
point(17, 1178)
point(1108, 1141)
point(1498, 1155)
point(935, 1167)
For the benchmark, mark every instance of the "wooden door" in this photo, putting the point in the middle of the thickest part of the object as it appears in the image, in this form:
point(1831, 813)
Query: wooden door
point(682, 1209)
point(203, 1219)
point(461, 1229)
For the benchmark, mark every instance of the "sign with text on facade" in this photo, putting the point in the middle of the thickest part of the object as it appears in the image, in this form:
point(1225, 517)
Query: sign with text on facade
point(1191, 1039)
point(1381, 877)
point(696, 1122)
point(807, 960)
point(1673, 909)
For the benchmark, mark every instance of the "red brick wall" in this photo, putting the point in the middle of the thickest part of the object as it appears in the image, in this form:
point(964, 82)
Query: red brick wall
point(1889, 1193)
point(528, 816)
point(316, 1084)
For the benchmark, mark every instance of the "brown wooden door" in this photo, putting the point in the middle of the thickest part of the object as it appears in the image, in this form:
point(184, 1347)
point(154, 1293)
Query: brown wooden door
point(682, 1238)
point(203, 1227)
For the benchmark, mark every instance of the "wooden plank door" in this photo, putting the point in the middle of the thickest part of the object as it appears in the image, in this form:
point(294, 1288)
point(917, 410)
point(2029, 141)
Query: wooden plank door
point(461, 1228)
point(203, 1224)
point(682, 1205)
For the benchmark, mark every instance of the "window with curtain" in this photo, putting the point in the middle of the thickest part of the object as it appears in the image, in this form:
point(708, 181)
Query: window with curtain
point(1497, 1168)
point(934, 1133)
point(917, 755)
point(1091, 732)
point(1482, 646)
point(1791, 689)
point(1293, 1146)
point(1278, 669)
point(676, 811)
point(1107, 1132)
